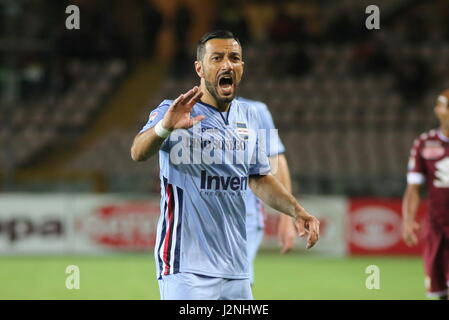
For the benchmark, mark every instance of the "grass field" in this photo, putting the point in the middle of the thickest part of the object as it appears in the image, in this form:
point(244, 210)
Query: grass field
point(277, 277)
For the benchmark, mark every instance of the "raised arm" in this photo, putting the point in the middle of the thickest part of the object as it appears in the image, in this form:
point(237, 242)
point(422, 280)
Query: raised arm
point(147, 143)
point(273, 193)
point(410, 204)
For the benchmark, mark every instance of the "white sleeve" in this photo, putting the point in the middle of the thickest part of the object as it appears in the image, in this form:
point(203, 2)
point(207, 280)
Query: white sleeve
point(415, 178)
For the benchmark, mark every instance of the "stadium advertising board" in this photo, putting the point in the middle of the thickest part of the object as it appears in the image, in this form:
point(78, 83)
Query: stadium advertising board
point(114, 223)
point(34, 223)
point(331, 211)
point(374, 227)
point(82, 223)
point(52, 223)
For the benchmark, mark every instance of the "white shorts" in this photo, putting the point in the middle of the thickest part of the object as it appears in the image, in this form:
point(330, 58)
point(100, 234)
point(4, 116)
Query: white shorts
point(253, 240)
point(190, 286)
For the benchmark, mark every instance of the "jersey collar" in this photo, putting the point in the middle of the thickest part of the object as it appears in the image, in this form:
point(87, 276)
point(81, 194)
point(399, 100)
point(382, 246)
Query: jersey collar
point(225, 120)
point(442, 136)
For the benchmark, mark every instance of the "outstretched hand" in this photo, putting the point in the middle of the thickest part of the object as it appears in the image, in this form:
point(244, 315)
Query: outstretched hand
point(178, 114)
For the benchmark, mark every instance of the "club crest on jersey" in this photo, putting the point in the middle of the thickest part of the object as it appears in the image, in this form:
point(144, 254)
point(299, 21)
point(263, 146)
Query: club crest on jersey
point(242, 130)
point(152, 116)
point(432, 150)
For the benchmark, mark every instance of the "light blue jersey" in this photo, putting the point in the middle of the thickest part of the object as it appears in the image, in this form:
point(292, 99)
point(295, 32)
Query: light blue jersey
point(204, 186)
point(273, 146)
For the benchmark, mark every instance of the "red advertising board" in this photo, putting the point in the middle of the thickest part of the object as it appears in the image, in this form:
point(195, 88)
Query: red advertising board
point(374, 227)
point(118, 225)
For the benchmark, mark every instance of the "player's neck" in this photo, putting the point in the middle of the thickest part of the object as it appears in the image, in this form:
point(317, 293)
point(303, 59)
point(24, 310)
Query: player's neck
point(210, 100)
point(445, 130)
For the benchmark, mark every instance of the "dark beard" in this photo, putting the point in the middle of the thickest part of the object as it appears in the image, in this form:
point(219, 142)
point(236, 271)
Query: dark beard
point(221, 102)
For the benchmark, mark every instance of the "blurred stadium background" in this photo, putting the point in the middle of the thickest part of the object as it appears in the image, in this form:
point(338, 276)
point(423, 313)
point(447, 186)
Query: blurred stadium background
point(348, 103)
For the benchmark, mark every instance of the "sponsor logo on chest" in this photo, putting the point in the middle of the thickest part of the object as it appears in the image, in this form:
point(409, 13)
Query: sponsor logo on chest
point(218, 182)
point(432, 150)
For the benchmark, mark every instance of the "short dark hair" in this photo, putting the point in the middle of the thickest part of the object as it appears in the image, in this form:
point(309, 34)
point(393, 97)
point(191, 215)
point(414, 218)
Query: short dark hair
point(217, 34)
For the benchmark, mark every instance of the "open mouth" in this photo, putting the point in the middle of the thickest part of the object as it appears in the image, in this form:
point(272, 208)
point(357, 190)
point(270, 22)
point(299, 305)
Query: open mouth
point(226, 84)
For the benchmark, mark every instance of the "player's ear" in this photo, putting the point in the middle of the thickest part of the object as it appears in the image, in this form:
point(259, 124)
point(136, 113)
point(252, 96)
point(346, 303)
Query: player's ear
point(199, 69)
point(435, 111)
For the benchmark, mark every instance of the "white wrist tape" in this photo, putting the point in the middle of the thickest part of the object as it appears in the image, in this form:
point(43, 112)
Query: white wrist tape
point(161, 131)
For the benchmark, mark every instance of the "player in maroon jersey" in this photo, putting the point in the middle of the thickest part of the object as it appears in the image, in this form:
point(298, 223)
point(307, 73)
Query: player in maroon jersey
point(429, 164)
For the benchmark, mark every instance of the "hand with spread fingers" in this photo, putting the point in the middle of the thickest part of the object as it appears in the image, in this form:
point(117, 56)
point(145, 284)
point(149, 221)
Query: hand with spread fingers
point(178, 114)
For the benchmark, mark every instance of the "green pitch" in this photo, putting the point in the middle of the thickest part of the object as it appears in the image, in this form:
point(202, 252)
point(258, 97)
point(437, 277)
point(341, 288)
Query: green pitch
point(293, 276)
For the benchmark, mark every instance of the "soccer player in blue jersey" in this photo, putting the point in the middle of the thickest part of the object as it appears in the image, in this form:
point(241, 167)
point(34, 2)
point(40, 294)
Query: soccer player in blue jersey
point(202, 137)
point(274, 149)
